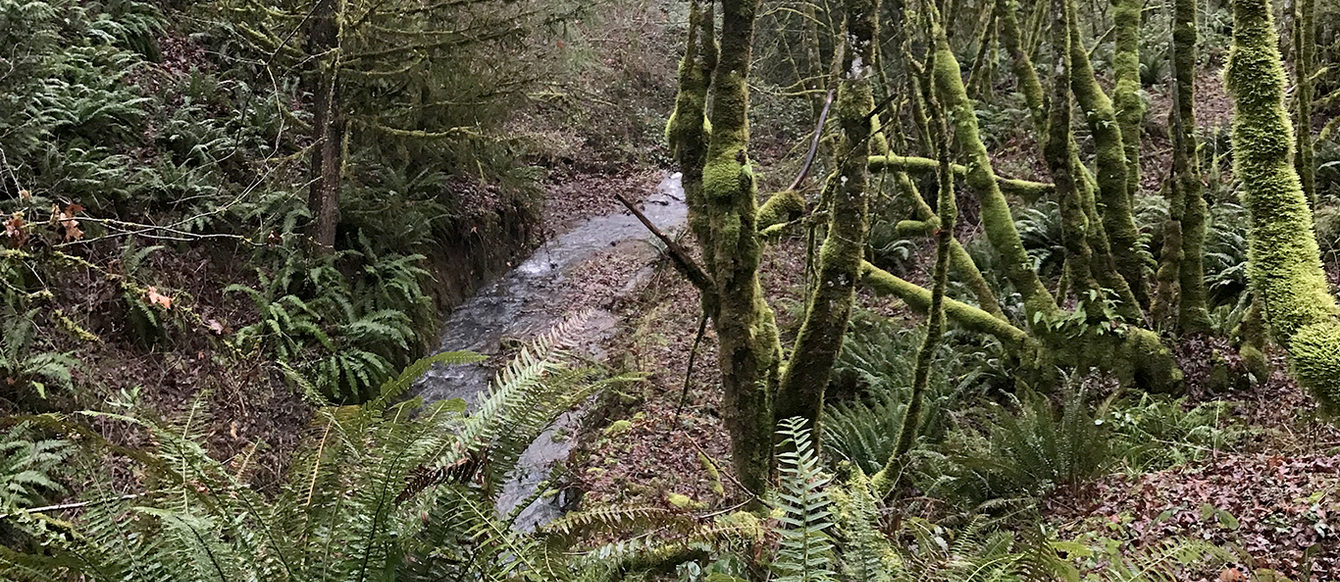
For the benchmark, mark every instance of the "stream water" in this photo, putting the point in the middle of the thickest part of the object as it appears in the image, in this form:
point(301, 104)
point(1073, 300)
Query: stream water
point(528, 300)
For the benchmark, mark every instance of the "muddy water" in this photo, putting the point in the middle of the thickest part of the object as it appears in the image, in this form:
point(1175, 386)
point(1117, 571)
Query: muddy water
point(528, 300)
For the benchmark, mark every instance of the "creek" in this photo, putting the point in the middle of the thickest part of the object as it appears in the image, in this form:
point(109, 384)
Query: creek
point(528, 300)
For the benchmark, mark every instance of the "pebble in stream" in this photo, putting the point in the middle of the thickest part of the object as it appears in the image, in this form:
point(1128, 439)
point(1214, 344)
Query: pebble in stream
point(525, 301)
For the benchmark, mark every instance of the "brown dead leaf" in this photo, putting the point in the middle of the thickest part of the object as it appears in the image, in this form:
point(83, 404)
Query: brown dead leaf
point(155, 298)
point(67, 221)
point(14, 230)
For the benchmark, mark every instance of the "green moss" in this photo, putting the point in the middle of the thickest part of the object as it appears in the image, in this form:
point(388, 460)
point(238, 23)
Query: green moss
point(1305, 64)
point(1285, 262)
point(1118, 220)
point(782, 207)
point(919, 299)
point(996, 218)
point(1126, 92)
point(828, 307)
point(1026, 189)
point(618, 427)
point(1020, 63)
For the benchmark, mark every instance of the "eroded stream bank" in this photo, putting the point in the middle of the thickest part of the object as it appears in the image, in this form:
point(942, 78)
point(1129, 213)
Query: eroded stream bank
point(584, 270)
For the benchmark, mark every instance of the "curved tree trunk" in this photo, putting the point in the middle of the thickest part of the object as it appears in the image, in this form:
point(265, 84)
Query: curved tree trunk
point(1285, 261)
point(1118, 220)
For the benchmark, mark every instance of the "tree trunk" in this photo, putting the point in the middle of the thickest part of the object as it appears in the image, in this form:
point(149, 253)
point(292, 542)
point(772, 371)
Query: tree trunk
point(1285, 261)
point(328, 125)
point(1305, 65)
point(1118, 220)
point(749, 349)
point(1186, 204)
point(829, 306)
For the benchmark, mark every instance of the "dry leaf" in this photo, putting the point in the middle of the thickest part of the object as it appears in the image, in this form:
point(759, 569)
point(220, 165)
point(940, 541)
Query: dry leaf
point(14, 230)
point(67, 220)
point(155, 298)
point(215, 326)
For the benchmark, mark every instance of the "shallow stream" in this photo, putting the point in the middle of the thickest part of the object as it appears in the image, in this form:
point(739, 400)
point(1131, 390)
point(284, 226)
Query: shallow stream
point(528, 300)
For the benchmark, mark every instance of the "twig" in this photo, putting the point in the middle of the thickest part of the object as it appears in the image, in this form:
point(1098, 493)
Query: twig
point(65, 506)
point(678, 253)
point(814, 142)
point(688, 373)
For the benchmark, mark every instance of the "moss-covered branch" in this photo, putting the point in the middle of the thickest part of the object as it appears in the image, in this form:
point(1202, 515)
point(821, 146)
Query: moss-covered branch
point(1074, 220)
point(946, 215)
point(1285, 261)
point(687, 132)
point(919, 299)
point(1025, 189)
point(1126, 92)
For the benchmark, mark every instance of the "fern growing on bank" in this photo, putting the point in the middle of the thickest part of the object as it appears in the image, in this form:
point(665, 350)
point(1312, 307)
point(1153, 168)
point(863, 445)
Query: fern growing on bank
point(24, 369)
point(390, 490)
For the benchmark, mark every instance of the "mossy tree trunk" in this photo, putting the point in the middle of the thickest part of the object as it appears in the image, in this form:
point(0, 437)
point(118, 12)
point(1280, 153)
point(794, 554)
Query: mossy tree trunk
point(1074, 220)
point(1285, 265)
point(1136, 356)
point(1305, 66)
point(749, 351)
point(1126, 93)
point(1182, 274)
point(328, 124)
point(1118, 220)
point(997, 220)
point(947, 216)
point(828, 308)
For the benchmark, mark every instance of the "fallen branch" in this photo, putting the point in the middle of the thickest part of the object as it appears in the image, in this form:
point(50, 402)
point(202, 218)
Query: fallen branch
point(681, 257)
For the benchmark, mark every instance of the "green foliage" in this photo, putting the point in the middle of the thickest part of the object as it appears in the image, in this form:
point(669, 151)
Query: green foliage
point(805, 552)
point(1040, 230)
point(1226, 253)
point(1031, 450)
point(24, 369)
point(392, 490)
point(341, 337)
point(875, 370)
point(1157, 433)
point(28, 467)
